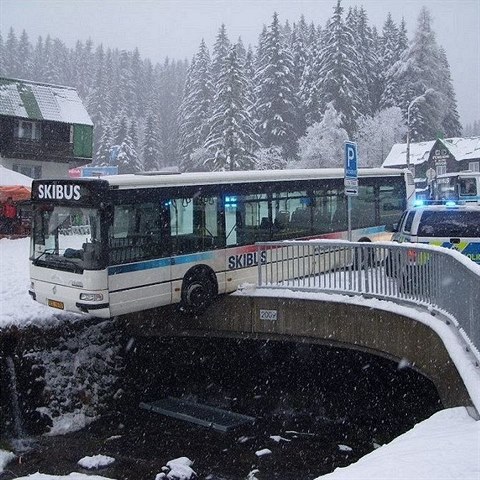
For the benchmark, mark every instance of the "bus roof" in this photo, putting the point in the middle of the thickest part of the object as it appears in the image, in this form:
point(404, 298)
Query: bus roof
point(463, 173)
point(208, 178)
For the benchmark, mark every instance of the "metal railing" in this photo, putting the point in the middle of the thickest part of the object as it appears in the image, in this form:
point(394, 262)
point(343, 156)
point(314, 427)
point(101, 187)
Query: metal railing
point(405, 273)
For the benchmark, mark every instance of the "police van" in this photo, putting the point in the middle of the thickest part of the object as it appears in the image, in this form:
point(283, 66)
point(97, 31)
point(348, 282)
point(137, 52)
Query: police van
point(450, 225)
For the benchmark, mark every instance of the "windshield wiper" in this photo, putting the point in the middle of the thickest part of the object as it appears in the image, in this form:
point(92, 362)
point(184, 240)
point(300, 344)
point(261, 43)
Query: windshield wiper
point(63, 262)
point(47, 251)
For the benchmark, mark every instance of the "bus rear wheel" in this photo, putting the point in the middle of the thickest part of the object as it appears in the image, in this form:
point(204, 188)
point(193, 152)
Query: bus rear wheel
point(198, 291)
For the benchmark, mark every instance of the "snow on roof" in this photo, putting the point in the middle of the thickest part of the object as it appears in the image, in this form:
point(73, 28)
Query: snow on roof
point(460, 148)
point(9, 178)
point(245, 176)
point(463, 148)
point(419, 153)
point(41, 101)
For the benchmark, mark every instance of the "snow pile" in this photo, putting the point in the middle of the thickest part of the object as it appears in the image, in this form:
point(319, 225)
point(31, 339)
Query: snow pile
point(446, 446)
point(97, 461)
point(17, 307)
point(178, 469)
point(263, 452)
point(5, 457)
point(9, 177)
point(71, 476)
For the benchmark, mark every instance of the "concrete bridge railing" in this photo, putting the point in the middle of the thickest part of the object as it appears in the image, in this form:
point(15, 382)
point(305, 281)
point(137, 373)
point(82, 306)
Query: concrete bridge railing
point(436, 279)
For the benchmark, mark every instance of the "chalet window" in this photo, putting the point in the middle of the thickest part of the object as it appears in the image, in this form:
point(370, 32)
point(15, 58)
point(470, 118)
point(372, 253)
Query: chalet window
point(27, 130)
point(441, 169)
point(474, 166)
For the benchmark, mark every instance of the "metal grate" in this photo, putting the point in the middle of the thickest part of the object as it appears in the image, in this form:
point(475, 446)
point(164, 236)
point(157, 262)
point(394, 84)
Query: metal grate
point(198, 414)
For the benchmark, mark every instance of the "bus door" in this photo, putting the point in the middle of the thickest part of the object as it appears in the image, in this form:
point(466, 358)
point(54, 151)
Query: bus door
point(139, 256)
point(197, 240)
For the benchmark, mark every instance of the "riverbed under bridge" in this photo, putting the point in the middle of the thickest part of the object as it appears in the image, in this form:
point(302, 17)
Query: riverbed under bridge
point(416, 305)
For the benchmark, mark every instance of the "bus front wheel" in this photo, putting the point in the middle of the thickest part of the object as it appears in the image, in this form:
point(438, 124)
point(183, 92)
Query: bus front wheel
point(198, 291)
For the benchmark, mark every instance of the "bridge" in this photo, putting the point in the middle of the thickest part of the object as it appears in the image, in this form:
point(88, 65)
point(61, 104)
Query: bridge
point(416, 305)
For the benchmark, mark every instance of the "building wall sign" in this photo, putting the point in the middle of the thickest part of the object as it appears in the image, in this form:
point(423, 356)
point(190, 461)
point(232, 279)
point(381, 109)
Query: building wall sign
point(440, 156)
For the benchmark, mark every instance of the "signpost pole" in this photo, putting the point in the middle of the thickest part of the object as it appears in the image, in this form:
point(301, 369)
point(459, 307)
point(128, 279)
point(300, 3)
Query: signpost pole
point(349, 210)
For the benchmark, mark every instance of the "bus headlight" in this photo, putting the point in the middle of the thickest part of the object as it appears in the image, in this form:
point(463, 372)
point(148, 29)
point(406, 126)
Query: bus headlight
point(91, 297)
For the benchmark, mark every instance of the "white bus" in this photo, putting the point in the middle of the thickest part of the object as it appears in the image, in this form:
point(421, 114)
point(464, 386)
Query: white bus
point(128, 243)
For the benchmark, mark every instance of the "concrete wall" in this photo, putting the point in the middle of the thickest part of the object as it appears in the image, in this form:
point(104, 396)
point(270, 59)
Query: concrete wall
point(382, 333)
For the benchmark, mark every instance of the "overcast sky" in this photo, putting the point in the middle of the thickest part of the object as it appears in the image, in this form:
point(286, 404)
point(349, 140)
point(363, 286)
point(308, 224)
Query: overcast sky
point(174, 28)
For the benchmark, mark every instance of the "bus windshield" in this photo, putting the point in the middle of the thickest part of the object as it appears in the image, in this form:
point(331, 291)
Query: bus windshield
point(66, 238)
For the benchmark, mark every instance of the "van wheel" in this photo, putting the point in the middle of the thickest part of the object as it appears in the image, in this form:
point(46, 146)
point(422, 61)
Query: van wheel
point(198, 291)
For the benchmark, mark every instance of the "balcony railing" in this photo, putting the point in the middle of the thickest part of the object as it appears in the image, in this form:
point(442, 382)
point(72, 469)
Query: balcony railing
point(36, 149)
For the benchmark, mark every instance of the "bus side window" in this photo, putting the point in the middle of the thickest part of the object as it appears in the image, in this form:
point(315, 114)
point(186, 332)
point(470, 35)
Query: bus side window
point(467, 186)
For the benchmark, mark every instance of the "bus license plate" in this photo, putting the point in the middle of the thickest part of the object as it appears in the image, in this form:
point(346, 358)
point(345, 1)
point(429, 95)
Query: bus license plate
point(55, 304)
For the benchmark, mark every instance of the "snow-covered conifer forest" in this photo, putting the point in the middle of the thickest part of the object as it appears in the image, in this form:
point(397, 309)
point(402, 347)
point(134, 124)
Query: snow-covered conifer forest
point(290, 100)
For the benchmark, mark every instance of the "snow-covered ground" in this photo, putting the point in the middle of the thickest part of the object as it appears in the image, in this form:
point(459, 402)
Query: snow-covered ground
point(443, 447)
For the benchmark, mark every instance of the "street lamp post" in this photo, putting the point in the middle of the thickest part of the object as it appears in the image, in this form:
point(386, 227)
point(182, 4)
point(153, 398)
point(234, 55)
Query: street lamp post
point(420, 98)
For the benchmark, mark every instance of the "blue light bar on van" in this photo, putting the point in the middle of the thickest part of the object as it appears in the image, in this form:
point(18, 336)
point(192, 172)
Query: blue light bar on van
point(450, 203)
point(419, 203)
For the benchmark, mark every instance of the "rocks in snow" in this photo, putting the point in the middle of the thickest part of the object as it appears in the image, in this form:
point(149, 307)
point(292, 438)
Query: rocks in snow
point(96, 461)
point(178, 469)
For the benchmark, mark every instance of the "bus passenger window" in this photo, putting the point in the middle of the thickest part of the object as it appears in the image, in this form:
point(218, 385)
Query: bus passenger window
point(195, 224)
point(467, 186)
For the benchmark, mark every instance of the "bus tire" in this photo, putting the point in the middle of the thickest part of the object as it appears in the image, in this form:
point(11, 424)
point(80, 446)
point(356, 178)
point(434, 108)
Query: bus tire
point(199, 288)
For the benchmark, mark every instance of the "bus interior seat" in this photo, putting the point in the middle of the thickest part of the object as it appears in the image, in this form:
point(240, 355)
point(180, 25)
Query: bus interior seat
point(282, 219)
point(265, 223)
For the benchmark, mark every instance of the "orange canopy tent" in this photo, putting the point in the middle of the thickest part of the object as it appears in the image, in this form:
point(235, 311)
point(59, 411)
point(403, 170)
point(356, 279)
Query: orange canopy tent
point(17, 192)
point(15, 185)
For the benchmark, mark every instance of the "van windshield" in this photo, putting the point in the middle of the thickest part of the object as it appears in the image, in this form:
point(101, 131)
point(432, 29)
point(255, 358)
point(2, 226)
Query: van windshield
point(453, 223)
point(66, 238)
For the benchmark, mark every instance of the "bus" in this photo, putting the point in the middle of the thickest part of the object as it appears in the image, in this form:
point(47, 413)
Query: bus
point(458, 186)
point(126, 243)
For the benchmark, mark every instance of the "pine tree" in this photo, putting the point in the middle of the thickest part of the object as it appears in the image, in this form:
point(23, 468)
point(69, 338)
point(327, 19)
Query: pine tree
point(339, 70)
point(367, 59)
point(402, 43)
point(451, 122)
point(309, 87)
point(38, 59)
point(300, 59)
point(169, 103)
point(196, 106)
point(220, 51)
point(151, 149)
point(389, 55)
point(12, 60)
point(103, 147)
point(249, 72)
point(126, 91)
point(276, 103)
point(97, 102)
point(25, 53)
point(127, 159)
point(418, 71)
point(232, 140)
point(2, 56)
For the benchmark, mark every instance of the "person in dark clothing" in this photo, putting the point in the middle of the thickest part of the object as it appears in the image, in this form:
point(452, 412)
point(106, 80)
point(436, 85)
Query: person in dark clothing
point(9, 216)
